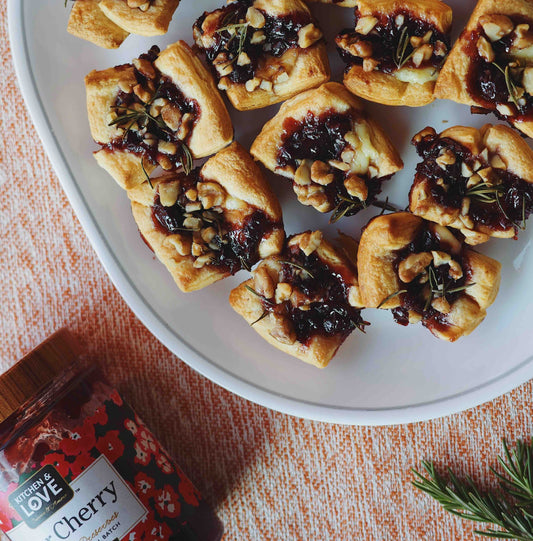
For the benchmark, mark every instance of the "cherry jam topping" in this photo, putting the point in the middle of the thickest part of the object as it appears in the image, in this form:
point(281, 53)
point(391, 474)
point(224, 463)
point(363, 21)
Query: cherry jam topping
point(321, 137)
point(487, 81)
point(133, 140)
point(415, 299)
point(329, 314)
point(386, 39)
point(512, 204)
point(280, 35)
point(237, 244)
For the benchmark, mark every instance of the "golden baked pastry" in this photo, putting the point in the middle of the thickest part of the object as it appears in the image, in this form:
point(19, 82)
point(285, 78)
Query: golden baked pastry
point(87, 21)
point(304, 301)
point(210, 223)
point(342, 3)
point(395, 52)
point(143, 17)
point(108, 23)
point(422, 272)
point(264, 51)
point(478, 181)
point(334, 153)
point(162, 110)
point(491, 65)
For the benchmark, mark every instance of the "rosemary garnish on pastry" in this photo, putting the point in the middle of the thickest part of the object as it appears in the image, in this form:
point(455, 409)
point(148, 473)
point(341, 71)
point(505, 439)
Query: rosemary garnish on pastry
point(510, 509)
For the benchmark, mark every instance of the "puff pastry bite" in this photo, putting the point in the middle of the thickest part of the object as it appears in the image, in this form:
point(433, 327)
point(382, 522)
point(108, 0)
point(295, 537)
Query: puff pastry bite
point(491, 65)
point(143, 17)
point(161, 110)
point(395, 52)
point(478, 181)
point(263, 51)
point(334, 153)
point(343, 3)
point(210, 223)
point(422, 272)
point(87, 21)
point(304, 301)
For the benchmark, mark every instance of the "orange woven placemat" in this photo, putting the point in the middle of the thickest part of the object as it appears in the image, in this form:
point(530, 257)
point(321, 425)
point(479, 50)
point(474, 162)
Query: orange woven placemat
point(270, 476)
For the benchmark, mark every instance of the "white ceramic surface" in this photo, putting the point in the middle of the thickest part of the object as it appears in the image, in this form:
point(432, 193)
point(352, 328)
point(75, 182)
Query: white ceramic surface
point(390, 375)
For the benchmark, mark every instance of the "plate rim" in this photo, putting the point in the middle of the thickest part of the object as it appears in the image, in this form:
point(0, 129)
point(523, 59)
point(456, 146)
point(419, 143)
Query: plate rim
point(432, 409)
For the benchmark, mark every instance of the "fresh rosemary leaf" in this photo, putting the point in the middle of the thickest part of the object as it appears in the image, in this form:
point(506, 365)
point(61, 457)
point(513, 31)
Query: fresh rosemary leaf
point(299, 267)
point(262, 316)
point(187, 161)
point(391, 296)
point(252, 290)
point(146, 174)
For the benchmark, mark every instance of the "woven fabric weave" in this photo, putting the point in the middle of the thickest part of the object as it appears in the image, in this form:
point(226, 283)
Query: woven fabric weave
point(270, 476)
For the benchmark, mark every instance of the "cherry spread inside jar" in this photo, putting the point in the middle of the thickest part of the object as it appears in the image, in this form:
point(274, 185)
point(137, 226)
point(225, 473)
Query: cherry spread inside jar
point(233, 36)
point(417, 296)
point(237, 244)
point(508, 203)
point(78, 463)
point(329, 313)
point(128, 108)
point(390, 41)
point(322, 137)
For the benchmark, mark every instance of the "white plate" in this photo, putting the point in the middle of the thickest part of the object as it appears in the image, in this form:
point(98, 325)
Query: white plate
point(390, 375)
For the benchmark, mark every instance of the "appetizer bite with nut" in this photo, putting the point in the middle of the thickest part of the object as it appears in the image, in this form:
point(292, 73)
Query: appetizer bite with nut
point(334, 153)
point(396, 50)
point(108, 23)
point(161, 110)
point(263, 51)
point(478, 181)
point(304, 301)
point(422, 273)
point(212, 222)
point(491, 65)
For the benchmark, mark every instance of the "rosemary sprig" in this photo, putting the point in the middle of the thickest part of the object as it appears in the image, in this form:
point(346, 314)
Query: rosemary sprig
point(262, 316)
point(391, 296)
point(239, 31)
point(345, 206)
point(187, 161)
point(485, 193)
point(299, 267)
point(511, 511)
point(146, 174)
point(437, 287)
point(509, 83)
point(400, 54)
point(252, 290)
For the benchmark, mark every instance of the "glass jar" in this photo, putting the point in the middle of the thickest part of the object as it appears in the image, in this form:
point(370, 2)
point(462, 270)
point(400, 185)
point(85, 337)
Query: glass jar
point(78, 464)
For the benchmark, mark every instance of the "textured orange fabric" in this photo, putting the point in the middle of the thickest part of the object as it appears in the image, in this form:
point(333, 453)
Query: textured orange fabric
point(270, 476)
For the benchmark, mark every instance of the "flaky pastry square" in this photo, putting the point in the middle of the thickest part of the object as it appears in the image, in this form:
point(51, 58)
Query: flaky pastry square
point(334, 153)
point(263, 52)
point(210, 223)
point(424, 273)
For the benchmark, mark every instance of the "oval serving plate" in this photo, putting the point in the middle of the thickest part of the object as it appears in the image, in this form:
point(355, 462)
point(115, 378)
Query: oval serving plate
point(390, 375)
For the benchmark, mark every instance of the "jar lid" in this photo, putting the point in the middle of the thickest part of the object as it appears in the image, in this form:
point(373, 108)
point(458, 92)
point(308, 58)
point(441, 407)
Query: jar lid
point(36, 370)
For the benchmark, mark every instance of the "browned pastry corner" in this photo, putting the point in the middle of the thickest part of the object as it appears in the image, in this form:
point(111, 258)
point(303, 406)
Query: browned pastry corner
point(305, 301)
point(334, 153)
point(491, 65)
point(422, 272)
point(143, 17)
point(478, 181)
point(252, 63)
point(211, 223)
point(87, 21)
point(161, 110)
point(396, 49)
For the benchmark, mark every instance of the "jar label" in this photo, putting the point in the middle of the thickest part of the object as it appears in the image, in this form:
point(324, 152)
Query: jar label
point(96, 506)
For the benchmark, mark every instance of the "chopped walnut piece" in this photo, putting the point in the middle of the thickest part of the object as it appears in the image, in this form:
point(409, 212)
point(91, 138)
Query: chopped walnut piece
point(321, 173)
point(485, 50)
point(258, 37)
point(302, 176)
point(441, 305)
point(263, 283)
point(357, 47)
point(182, 244)
point(413, 265)
point(142, 93)
point(504, 109)
point(523, 37)
point(255, 18)
point(308, 35)
point(439, 48)
point(165, 163)
point(283, 292)
point(456, 272)
point(310, 242)
point(211, 194)
point(422, 54)
point(167, 147)
point(465, 206)
point(365, 25)
point(243, 59)
point(356, 187)
point(282, 329)
point(446, 158)
point(203, 260)
point(370, 64)
point(185, 126)
point(168, 193)
point(496, 26)
point(440, 258)
point(192, 194)
point(426, 132)
point(145, 67)
point(341, 166)
point(252, 84)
